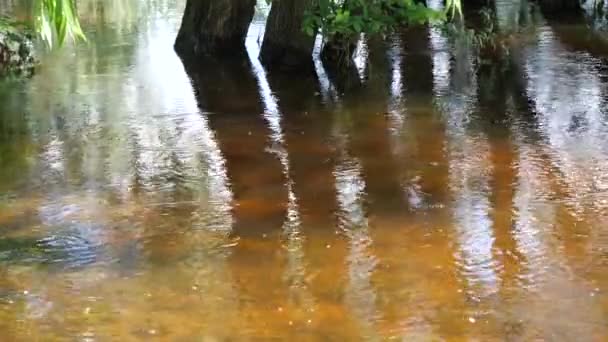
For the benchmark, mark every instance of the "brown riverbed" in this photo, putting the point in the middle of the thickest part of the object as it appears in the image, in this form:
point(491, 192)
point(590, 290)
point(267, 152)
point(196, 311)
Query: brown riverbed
point(436, 201)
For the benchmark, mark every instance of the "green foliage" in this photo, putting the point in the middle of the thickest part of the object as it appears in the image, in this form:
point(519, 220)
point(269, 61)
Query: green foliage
point(487, 37)
point(56, 20)
point(349, 18)
point(489, 42)
point(10, 25)
point(453, 8)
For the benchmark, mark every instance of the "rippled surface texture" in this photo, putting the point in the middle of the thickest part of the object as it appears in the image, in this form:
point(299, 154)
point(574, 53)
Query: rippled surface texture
point(139, 201)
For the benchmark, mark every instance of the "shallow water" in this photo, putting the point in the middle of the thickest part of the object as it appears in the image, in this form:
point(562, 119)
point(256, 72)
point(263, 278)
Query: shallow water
point(139, 201)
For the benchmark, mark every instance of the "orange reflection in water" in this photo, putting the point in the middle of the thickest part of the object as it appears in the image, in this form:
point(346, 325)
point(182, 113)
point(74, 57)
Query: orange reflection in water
point(436, 201)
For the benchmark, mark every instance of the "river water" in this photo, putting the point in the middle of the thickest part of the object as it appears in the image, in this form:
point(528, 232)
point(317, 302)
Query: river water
point(436, 201)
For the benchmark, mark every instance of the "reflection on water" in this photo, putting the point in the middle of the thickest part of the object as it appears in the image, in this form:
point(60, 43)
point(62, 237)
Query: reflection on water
point(441, 199)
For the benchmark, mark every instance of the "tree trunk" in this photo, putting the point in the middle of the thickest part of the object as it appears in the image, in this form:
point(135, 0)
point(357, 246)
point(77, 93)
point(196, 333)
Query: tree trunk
point(556, 7)
point(337, 57)
point(339, 50)
point(285, 43)
point(214, 27)
point(340, 68)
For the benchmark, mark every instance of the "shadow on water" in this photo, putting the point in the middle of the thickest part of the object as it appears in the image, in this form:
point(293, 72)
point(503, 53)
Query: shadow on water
point(228, 91)
point(15, 141)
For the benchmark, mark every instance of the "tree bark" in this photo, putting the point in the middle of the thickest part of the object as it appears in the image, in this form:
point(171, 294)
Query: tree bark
point(337, 57)
point(214, 27)
point(339, 52)
point(285, 44)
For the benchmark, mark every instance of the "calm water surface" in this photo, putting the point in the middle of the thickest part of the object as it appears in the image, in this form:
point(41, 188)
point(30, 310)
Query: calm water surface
point(141, 200)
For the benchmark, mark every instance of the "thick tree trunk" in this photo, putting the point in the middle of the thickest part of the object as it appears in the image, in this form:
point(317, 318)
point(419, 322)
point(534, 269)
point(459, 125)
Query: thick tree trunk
point(417, 65)
point(339, 52)
point(214, 27)
point(337, 57)
point(285, 43)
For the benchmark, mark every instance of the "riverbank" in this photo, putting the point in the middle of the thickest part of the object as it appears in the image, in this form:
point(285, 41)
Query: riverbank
point(16, 51)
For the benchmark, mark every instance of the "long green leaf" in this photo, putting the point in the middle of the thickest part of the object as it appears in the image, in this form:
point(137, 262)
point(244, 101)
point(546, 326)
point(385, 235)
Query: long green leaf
point(57, 20)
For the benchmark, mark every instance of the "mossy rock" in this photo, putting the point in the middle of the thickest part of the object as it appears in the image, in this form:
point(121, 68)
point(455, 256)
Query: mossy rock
point(16, 50)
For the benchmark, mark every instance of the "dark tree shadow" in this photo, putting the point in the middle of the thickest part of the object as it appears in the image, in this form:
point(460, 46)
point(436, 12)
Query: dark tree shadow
point(229, 96)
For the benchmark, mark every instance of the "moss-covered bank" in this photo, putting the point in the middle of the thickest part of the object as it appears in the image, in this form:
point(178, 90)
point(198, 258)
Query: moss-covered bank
point(16, 50)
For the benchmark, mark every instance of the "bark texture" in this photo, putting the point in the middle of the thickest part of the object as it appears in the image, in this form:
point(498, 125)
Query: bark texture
point(214, 27)
point(337, 57)
point(285, 43)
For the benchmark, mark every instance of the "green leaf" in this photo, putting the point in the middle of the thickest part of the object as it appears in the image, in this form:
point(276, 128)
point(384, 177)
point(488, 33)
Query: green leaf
point(57, 20)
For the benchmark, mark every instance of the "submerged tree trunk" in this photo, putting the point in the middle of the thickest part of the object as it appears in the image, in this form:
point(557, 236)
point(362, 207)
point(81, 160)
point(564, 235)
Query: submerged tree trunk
point(339, 52)
point(214, 27)
point(337, 57)
point(555, 7)
point(285, 44)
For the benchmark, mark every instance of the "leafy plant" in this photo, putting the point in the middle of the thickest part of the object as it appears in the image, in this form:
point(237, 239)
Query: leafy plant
point(341, 22)
point(56, 20)
point(453, 8)
point(350, 18)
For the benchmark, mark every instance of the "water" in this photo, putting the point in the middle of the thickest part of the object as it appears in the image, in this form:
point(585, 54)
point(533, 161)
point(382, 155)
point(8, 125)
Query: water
point(435, 202)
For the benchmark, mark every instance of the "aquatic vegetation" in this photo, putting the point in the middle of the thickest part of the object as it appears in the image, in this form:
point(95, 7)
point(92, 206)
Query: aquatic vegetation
point(52, 20)
point(341, 23)
point(56, 20)
point(351, 18)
